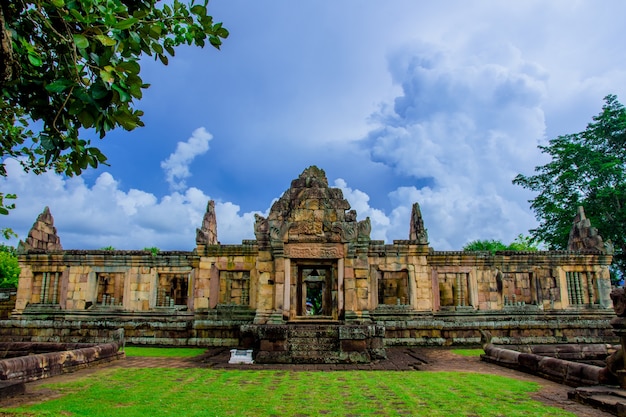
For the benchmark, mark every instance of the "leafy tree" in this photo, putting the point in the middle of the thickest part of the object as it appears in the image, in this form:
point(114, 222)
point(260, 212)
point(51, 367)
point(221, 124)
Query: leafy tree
point(154, 251)
point(71, 65)
point(9, 267)
point(484, 245)
point(521, 244)
point(586, 169)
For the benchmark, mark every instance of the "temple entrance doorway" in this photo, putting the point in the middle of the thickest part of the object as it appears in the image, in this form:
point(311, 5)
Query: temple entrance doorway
point(316, 292)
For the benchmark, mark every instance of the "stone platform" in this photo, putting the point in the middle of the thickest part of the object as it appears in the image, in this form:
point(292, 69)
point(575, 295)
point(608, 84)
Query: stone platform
point(314, 342)
point(606, 398)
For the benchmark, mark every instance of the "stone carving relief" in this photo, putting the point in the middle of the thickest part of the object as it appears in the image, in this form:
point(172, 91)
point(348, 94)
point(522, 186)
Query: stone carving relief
point(261, 227)
point(365, 228)
point(313, 252)
point(311, 228)
point(618, 296)
point(311, 211)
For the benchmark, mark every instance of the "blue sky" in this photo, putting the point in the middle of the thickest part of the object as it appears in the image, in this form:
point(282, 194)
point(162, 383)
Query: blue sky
point(440, 103)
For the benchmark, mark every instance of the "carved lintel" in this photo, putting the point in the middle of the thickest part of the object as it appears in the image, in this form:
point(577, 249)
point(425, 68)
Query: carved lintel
point(314, 251)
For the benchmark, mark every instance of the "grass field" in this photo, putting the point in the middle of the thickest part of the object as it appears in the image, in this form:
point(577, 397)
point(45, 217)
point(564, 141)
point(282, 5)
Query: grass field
point(160, 352)
point(468, 352)
point(206, 392)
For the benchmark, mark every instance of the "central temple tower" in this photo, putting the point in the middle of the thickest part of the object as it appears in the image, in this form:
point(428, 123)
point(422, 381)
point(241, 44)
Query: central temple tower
point(303, 245)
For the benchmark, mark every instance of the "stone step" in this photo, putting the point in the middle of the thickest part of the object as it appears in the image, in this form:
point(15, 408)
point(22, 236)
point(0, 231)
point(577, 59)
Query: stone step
point(318, 346)
point(313, 333)
point(314, 357)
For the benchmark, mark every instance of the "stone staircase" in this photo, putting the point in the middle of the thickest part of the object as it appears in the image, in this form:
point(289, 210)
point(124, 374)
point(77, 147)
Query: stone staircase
point(316, 343)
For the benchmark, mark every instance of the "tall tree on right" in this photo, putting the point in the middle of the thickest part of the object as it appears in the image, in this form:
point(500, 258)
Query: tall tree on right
point(586, 169)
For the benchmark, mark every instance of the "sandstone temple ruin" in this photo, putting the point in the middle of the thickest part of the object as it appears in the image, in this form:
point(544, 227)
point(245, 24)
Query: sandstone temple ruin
point(312, 273)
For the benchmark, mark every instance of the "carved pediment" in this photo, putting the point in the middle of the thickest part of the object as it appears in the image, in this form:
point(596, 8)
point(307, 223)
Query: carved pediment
point(311, 211)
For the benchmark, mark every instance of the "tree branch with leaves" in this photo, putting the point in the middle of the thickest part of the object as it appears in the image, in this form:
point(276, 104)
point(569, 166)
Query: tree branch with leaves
point(67, 66)
point(586, 169)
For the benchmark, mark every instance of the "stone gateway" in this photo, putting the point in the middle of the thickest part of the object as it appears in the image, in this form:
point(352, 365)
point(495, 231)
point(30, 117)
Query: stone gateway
point(312, 287)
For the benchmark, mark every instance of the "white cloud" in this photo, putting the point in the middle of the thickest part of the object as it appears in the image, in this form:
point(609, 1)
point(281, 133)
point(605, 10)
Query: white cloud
point(359, 201)
point(91, 217)
point(470, 125)
point(476, 87)
point(176, 166)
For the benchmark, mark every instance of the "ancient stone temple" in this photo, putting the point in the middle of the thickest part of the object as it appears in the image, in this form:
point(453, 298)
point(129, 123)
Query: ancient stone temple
point(313, 286)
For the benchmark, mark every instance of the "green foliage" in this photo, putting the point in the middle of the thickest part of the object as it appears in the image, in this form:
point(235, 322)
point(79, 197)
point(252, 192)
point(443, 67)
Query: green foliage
point(154, 251)
point(107, 248)
point(468, 352)
point(8, 233)
point(71, 65)
point(586, 169)
point(161, 352)
point(6, 206)
point(521, 244)
point(484, 245)
point(9, 267)
point(200, 392)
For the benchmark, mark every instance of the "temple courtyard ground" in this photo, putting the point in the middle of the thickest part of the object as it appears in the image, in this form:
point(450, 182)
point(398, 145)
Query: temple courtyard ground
point(400, 359)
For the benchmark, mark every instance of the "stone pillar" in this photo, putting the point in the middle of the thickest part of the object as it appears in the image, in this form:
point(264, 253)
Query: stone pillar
point(472, 288)
point(214, 287)
point(340, 287)
point(603, 282)
point(412, 286)
point(435, 289)
point(287, 289)
point(590, 288)
point(459, 298)
point(562, 279)
point(280, 313)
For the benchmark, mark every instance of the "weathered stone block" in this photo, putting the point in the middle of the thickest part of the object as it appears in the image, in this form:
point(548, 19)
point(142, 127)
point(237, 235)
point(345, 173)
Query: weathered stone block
point(361, 283)
point(361, 273)
point(353, 345)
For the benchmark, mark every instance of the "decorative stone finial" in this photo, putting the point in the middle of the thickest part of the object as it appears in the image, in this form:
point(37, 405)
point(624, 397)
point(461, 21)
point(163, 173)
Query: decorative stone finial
point(417, 231)
point(207, 234)
point(584, 237)
point(43, 235)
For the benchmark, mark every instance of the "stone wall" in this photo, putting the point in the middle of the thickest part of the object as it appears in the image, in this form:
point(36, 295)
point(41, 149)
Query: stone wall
point(521, 327)
point(311, 261)
point(451, 329)
point(156, 330)
point(449, 295)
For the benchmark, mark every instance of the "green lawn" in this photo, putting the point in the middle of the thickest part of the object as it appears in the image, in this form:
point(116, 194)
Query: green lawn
point(468, 352)
point(206, 392)
point(161, 352)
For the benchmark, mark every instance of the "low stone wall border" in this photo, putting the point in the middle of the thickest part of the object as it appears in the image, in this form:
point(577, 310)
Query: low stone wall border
point(45, 365)
point(558, 370)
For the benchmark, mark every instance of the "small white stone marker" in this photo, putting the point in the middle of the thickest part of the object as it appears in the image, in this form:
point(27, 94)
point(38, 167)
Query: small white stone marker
point(241, 356)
